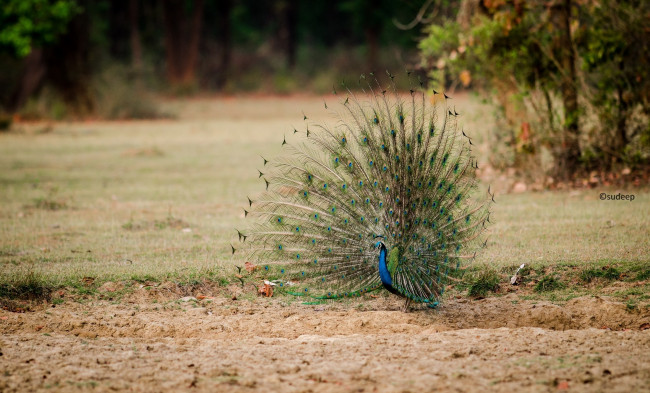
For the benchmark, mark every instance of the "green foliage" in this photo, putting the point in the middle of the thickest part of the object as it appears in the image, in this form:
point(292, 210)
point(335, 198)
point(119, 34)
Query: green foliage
point(25, 24)
point(5, 121)
point(515, 54)
point(616, 61)
point(606, 273)
point(486, 280)
point(643, 274)
point(51, 201)
point(26, 285)
point(548, 283)
point(631, 305)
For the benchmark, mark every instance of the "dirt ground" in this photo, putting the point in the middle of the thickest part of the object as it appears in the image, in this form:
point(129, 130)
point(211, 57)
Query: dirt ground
point(151, 342)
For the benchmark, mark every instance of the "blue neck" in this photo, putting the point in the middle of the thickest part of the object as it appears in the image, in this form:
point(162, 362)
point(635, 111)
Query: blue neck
point(384, 274)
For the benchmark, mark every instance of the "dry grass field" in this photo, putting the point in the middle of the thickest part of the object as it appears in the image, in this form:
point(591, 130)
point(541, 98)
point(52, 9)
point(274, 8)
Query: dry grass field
point(107, 227)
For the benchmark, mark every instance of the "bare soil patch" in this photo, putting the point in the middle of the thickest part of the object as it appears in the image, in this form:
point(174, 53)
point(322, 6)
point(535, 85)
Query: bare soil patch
point(151, 343)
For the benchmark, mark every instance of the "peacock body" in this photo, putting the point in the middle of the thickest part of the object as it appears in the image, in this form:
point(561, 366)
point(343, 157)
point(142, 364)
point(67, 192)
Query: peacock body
point(382, 199)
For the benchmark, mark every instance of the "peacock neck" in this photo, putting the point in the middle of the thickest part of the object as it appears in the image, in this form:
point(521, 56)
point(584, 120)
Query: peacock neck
point(384, 274)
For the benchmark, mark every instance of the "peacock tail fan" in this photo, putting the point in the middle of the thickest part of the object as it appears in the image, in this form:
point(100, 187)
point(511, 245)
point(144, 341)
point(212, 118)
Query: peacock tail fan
point(393, 169)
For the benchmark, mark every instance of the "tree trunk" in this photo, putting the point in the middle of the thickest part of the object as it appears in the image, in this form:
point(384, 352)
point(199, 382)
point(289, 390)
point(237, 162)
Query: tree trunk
point(621, 139)
point(570, 153)
point(68, 65)
point(225, 43)
point(287, 14)
point(372, 39)
point(31, 79)
point(136, 43)
point(182, 36)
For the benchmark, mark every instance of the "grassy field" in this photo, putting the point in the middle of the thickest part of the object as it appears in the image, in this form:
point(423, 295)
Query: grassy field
point(124, 229)
point(159, 200)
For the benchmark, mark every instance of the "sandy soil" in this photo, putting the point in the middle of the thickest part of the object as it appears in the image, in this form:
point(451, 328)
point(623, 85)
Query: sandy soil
point(151, 343)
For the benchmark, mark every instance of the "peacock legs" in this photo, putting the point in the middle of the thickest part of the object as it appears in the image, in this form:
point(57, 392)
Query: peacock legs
point(407, 303)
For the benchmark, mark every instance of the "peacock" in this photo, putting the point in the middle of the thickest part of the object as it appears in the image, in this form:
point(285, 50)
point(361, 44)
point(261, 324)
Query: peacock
point(385, 198)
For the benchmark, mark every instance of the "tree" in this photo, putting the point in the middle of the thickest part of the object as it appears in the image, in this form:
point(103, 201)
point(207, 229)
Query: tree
point(183, 21)
point(136, 42)
point(26, 26)
point(616, 63)
point(534, 53)
point(287, 11)
point(563, 45)
point(369, 16)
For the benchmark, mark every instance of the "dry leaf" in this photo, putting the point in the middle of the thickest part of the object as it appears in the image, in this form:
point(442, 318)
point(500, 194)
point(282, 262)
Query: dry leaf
point(250, 267)
point(265, 290)
point(465, 77)
point(563, 385)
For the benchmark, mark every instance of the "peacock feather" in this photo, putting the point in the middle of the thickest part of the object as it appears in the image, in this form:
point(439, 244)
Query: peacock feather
point(382, 199)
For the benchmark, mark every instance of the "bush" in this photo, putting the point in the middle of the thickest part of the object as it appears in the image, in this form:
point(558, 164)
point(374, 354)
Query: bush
point(119, 95)
point(548, 283)
point(485, 281)
point(607, 273)
point(585, 105)
point(25, 285)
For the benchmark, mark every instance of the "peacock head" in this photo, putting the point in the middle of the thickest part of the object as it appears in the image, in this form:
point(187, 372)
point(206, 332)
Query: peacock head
point(379, 243)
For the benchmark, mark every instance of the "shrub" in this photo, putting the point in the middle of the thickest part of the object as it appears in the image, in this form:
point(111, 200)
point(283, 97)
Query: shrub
point(485, 281)
point(548, 283)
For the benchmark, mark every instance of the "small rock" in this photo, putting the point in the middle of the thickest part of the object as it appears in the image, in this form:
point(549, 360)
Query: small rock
point(110, 286)
point(519, 187)
point(197, 310)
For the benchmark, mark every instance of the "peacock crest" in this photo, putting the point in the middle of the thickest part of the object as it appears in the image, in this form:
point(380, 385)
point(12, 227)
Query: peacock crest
point(385, 198)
